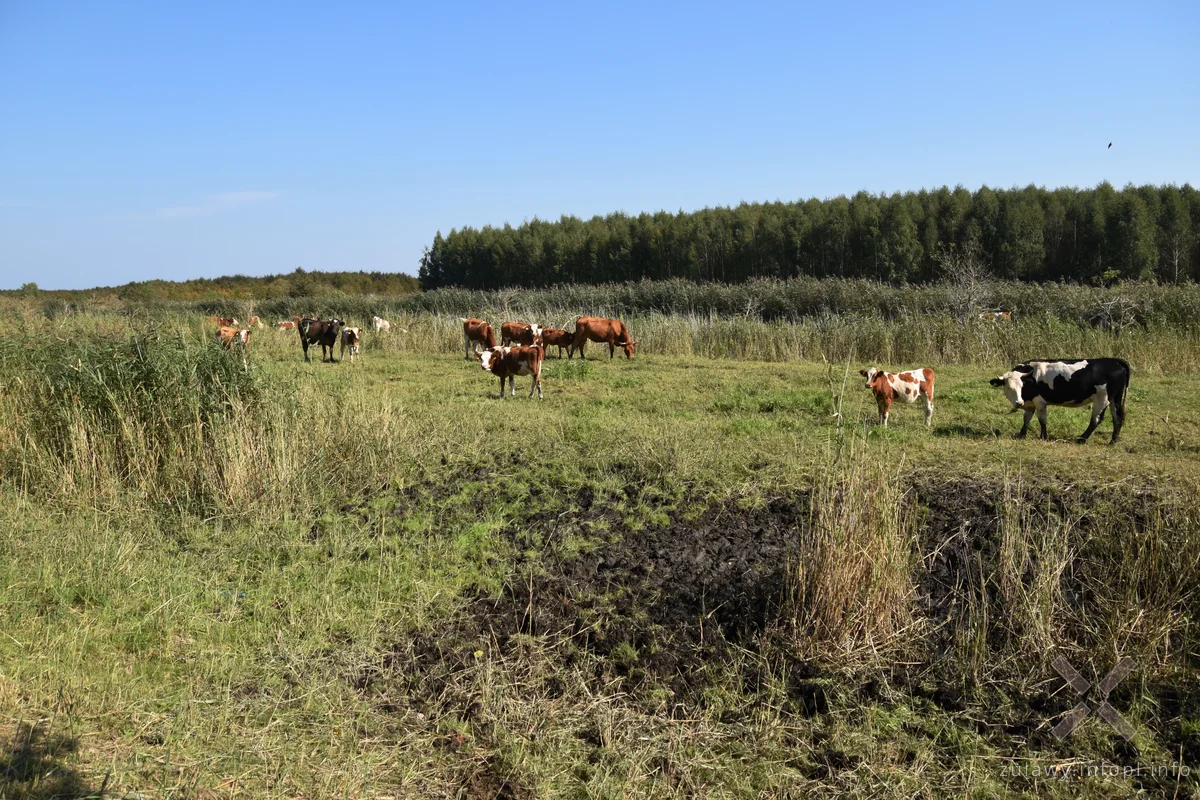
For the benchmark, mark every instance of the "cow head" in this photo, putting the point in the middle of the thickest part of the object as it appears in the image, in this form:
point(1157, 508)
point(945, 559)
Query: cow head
point(628, 347)
point(1013, 385)
point(537, 333)
point(489, 356)
point(869, 374)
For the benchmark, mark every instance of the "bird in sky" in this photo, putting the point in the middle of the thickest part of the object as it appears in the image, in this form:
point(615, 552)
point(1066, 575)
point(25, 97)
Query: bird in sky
point(1110, 145)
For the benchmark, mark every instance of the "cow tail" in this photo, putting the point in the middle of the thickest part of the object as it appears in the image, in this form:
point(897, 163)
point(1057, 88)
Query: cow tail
point(1119, 400)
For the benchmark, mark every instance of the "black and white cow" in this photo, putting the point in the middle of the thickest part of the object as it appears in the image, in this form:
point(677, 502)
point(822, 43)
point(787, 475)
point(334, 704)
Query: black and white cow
point(1073, 382)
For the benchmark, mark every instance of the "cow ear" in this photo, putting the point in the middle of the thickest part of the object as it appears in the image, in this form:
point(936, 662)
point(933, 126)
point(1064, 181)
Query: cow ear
point(862, 372)
point(996, 381)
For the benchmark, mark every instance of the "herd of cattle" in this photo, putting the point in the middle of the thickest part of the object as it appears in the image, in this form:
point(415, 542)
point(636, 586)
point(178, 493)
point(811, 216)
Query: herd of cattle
point(1031, 386)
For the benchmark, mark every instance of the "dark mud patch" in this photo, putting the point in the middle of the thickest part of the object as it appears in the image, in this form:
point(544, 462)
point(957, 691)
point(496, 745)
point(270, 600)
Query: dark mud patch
point(657, 602)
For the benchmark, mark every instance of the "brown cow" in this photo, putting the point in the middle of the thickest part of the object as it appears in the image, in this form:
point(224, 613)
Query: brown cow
point(255, 322)
point(906, 386)
point(476, 330)
point(523, 333)
point(323, 332)
point(553, 337)
point(507, 362)
point(598, 329)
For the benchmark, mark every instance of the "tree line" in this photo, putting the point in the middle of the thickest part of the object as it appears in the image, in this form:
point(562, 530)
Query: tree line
point(296, 284)
point(1098, 236)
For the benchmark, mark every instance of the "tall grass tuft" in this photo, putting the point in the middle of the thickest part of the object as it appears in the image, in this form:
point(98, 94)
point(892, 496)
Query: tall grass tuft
point(104, 415)
point(853, 579)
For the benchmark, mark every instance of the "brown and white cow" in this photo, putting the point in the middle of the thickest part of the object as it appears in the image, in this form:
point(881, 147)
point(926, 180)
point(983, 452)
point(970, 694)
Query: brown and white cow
point(996, 316)
point(255, 322)
point(224, 322)
point(230, 337)
point(319, 331)
point(381, 324)
point(508, 362)
point(906, 386)
point(285, 325)
point(598, 329)
point(522, 333)
point(476, 330)
point(554, 337)
point(351, 338)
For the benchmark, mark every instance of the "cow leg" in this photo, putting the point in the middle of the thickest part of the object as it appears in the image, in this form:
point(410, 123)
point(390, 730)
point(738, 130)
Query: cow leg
point(611, 349)
point(501, 387)
point(1041, 415)
point(466, 348)
point(537, 384)
point(1099, 405)
point(512, 386)
point(885, 409)
point(1025, 427)
point(928, 410)
point(304, 344)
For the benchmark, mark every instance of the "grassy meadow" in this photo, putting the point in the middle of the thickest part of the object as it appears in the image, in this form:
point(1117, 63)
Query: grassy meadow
point(705, 572)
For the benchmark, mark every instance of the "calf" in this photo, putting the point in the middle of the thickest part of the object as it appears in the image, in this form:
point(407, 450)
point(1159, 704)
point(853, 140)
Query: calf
point(597, 329)
point(476, 330)
point(522, 333)
point(553, 337)
point(906, 386)
point(507, 362)
point(224, 322)
point(351, 337)
point(996, 316)
point(285, 325)
point(1072, 382)
point(319, 331)
point(255, 322)
point(381, 324)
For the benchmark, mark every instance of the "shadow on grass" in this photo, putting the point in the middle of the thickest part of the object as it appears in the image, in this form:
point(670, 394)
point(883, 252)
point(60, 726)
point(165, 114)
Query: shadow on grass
point(965, 432)
point(33, 767)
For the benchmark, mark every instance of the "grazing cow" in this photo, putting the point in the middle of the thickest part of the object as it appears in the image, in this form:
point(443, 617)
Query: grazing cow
point(319, 331)
point(1071, 382)
point(230, 337)
point(381, 324)
point(598, 329)
point(996, 316)
point(553, 337)
point(255, 322)
point(285, 325)
point(351, 337)
point(476, 330)
point(523, 333)
point(224, 322)
point(906, 386)
point(507, 362)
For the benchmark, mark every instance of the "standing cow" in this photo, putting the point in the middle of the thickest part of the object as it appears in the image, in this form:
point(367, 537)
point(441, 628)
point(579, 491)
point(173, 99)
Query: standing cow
point(522, 333)
point(507, 362)
point(906, 386)
point(381, 324)
point(597, 329)
point(553, 337)
point(1071, 382)
point(476, 330)
point(352, 339)
point(319, 331)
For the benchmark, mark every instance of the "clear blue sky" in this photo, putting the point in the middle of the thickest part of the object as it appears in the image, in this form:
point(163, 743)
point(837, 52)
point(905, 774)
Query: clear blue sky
point(177, 140)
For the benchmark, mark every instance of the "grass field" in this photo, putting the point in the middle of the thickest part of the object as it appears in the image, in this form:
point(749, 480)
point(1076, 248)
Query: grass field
point(677, 576)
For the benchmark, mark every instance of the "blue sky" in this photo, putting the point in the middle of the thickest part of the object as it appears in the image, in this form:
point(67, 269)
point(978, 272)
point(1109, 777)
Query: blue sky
point(178, 140)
